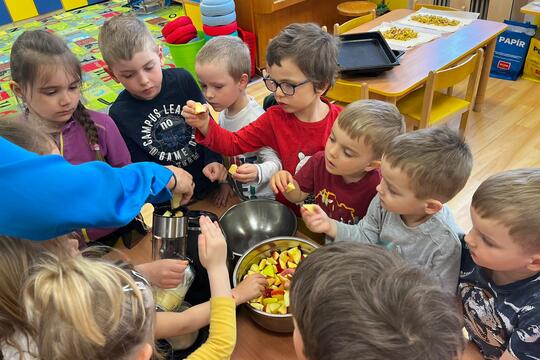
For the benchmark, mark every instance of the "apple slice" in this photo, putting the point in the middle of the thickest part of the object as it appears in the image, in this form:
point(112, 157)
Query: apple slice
point(287, 298)
point(257, 306)
point(291, 265)
point(232, 169)
point(310, 208)
point(254, 268)
point(274, 307)
point(199, 108)
point(282, 309)
point(295, 254)
point(290, 187)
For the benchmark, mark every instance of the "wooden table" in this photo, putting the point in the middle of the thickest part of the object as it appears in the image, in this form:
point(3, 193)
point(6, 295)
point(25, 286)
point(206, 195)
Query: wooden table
point(253, 342)
point(438, 54)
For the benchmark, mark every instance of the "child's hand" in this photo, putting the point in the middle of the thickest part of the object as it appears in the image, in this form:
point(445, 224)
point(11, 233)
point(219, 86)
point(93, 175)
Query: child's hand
point(250, 288)
point(194, 118)
point(212, 245)
point(222, 196)
point(164, 273)
point(215, 171)
point(280, 180)
point(246, 173)
point(317, 221)
point(184, 184)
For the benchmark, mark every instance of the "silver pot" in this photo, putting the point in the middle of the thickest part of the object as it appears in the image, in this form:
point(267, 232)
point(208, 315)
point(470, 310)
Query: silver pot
point(272, 322)
point(250, 222)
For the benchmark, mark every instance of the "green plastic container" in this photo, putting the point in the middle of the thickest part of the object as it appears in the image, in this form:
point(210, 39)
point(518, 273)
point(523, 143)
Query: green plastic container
point(184, 54)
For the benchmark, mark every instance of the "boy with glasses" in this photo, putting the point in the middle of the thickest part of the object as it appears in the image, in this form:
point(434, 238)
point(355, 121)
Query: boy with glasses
point(302, 65)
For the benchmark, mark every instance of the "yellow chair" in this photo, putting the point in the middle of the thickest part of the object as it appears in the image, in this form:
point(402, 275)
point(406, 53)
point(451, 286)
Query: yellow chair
point(434, 7)
point(351, 24)
point(345, 92)
point(428, 106)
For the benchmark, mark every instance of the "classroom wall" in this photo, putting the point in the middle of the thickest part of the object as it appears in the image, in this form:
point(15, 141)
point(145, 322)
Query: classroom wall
point(15, 10)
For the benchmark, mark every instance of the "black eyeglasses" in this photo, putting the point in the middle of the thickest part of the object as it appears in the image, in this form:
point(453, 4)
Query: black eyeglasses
point(287, 89)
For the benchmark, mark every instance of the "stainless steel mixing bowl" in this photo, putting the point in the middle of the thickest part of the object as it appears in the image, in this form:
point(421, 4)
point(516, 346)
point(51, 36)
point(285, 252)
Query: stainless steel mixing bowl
point(250, 222)
point(272, 322)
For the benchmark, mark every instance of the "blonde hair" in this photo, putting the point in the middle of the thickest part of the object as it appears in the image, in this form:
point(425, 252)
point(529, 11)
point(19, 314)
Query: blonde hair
point(88, 309)
point(123, 36)
point(16, 259)
point(27, 136)
point(377, 122)
point(436, 160)
point(513, 199)
point(227, 50)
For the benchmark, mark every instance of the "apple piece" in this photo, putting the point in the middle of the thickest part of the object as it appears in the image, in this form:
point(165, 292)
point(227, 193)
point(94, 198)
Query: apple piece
point(199, 108)
point(257, 306)
point(273, 287)
point(268, 271)
point(232, 169)
point(262, 264)
point(271, 281)
point(287, 298)
point(282, 309)
point(254, 267)
point(277, 281)
point(269, 300)
point(310, 208)
point(295, 254)
point(176, 200)
point(271, 261)
point(275, 255)
point(273, 307)
point(167, 213)
point(290, 187)
point(291, 265)
point(283, 258)
point(277, 292)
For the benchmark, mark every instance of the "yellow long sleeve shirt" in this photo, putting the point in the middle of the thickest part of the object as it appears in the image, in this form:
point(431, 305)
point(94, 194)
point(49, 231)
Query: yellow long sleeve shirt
point(222, 338)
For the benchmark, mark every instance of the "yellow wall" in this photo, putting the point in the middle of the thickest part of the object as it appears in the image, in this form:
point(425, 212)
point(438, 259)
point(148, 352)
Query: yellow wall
point(73, 4)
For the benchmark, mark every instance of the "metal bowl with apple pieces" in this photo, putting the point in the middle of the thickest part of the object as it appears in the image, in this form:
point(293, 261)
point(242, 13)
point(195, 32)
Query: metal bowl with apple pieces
point(276, 259)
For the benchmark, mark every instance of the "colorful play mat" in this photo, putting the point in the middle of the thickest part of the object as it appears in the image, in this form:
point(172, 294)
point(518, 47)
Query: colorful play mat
point(80, 28)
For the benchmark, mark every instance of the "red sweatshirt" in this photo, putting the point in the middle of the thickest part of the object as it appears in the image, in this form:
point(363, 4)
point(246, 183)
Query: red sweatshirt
point(293, 140)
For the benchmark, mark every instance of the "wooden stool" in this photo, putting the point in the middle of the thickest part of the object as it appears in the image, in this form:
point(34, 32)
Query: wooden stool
point(356, 8)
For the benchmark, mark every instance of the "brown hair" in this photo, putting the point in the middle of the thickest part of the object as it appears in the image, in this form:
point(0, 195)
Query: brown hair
point(33, 55)
point(123, 36)
point(350, 299)
point(312, 49)
point(377, 122)
point(88, 309)
point(27, 136)
point(437, 161)
point(227, 50)
point(512, 198)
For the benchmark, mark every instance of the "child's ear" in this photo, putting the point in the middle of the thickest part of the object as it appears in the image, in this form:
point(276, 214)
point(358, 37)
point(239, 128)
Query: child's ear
point(17, 90)
point(145, 352)
point(244, 80)
point(110, 72)
point(375, 164)
point(535, 263)
point(324, 88)
point(160, 54)
point(432, 206)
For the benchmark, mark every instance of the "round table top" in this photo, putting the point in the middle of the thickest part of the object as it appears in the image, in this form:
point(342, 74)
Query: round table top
point(356, 8)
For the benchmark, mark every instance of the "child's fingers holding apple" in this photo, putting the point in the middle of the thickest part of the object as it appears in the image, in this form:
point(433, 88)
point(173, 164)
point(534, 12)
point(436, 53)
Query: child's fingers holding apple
point(246, 173)
point(250, 288)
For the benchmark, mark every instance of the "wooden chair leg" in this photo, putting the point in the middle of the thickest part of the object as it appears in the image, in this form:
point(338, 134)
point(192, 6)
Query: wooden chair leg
point(463, 123)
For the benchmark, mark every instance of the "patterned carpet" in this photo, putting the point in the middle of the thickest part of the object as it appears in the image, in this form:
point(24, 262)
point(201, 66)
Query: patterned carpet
point(80, 28)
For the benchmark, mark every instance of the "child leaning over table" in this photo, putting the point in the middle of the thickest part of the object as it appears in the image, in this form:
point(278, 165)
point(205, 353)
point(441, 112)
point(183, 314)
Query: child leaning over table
point(223, 67)
point(302, 65)
point(344, 176)
point(359, 301)
point(499, 285)
point(421, 171)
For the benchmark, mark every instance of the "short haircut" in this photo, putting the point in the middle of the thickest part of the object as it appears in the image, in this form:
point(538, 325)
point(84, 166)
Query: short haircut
point(354, 300)
point(377, 122)
point(312, 49)
point(513, 199)
point(227, 50)
point(437, 161)
point(123, 36)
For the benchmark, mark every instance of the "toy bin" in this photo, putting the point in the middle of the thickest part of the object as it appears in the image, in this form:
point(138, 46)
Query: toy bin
point(183, 55)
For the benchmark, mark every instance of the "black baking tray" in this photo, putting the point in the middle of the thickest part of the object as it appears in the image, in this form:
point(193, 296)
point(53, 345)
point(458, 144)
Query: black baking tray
point(366, 54)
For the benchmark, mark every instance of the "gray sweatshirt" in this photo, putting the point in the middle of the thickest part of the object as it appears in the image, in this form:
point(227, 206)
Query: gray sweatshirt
point(433, 245)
